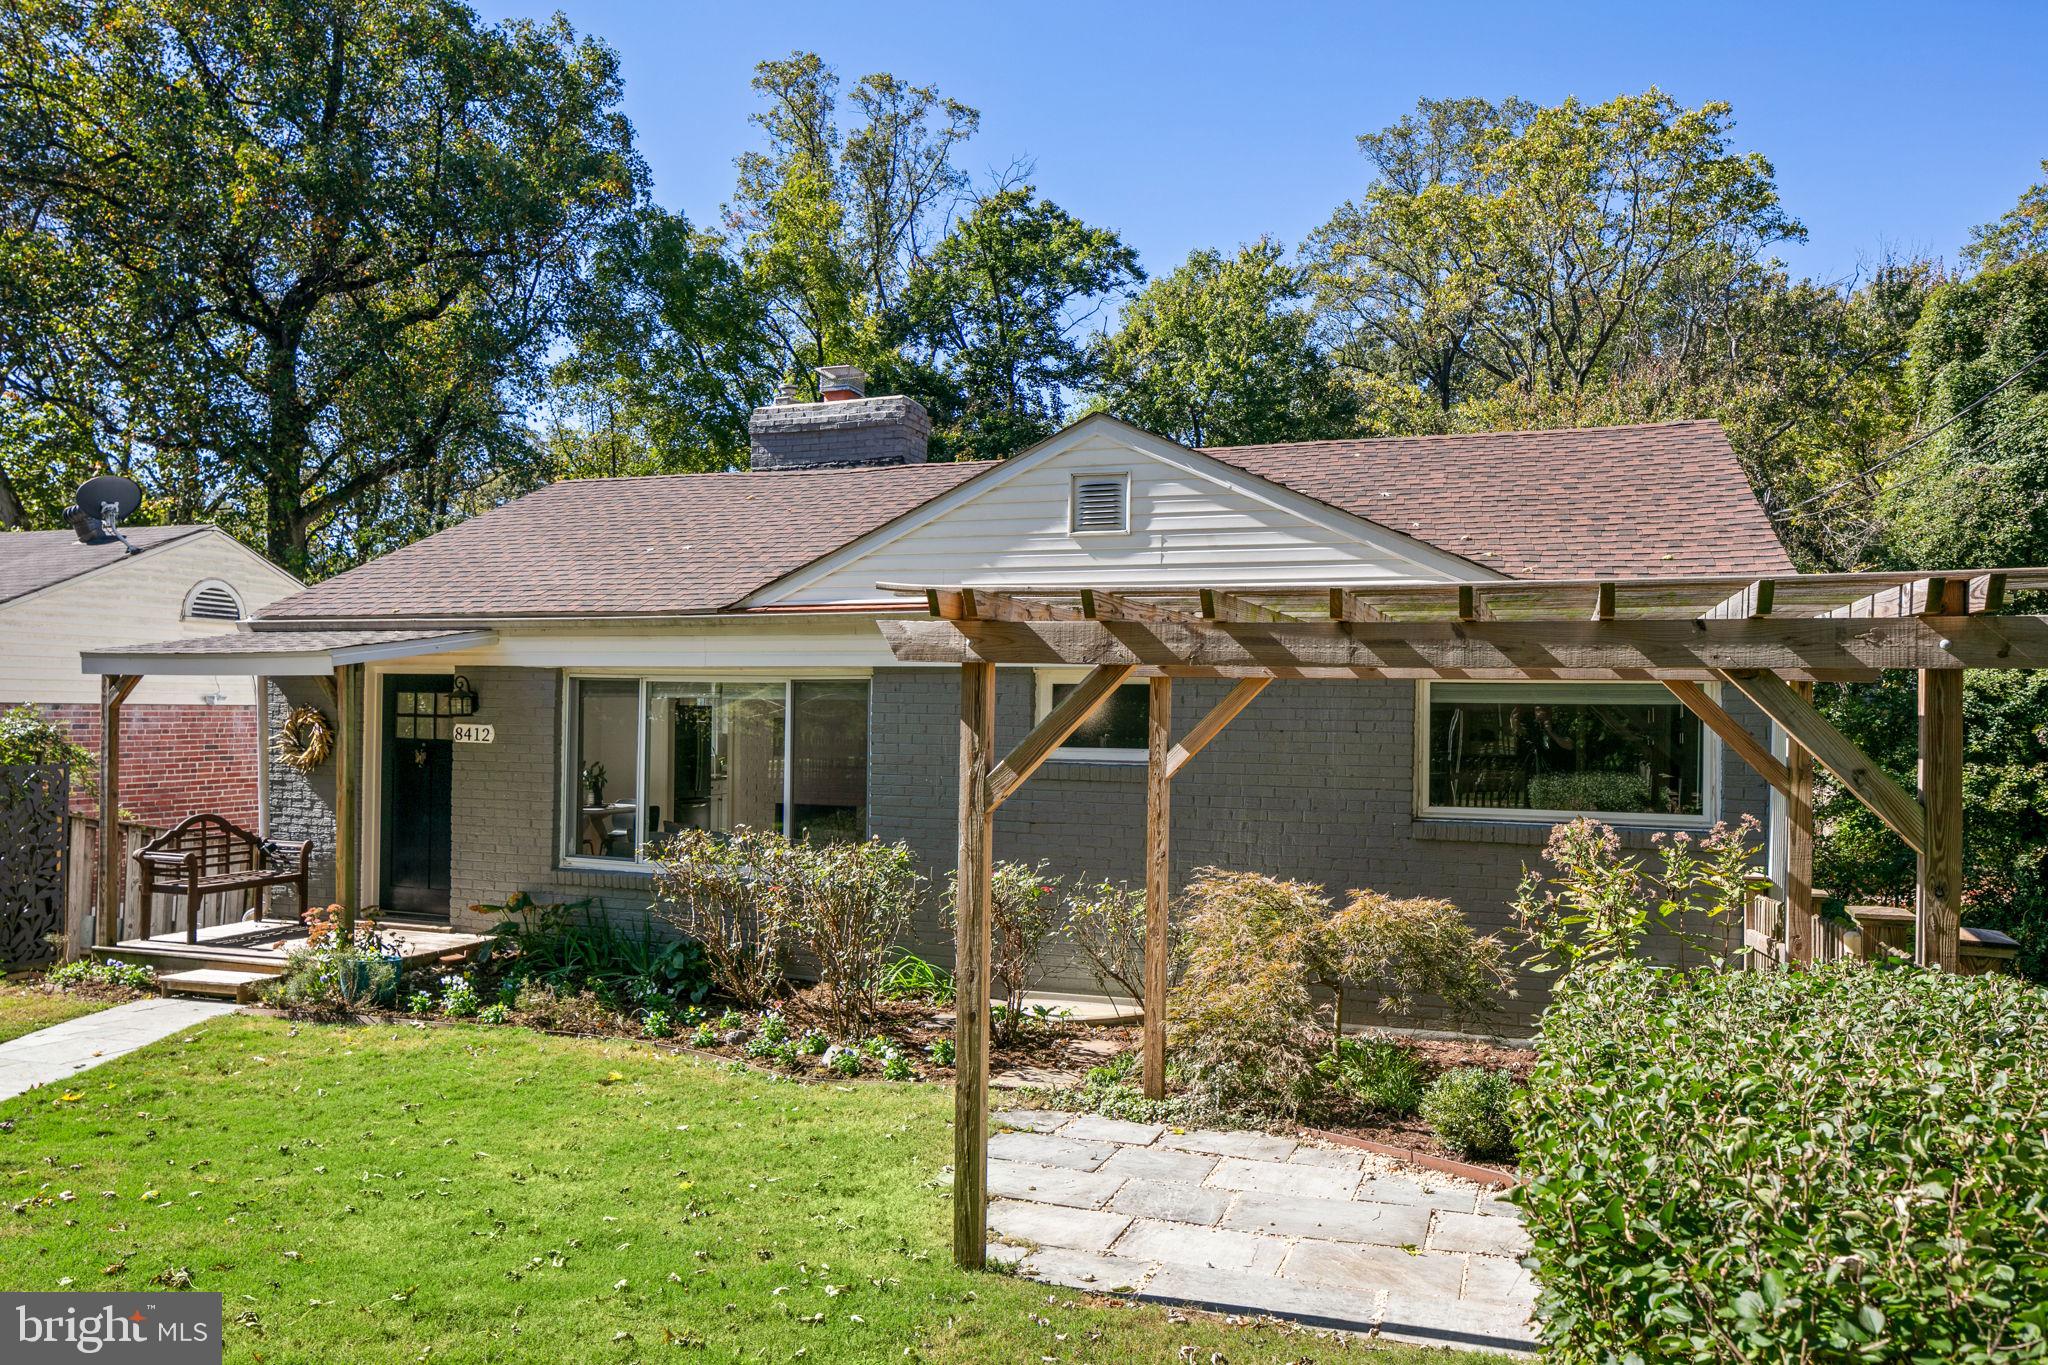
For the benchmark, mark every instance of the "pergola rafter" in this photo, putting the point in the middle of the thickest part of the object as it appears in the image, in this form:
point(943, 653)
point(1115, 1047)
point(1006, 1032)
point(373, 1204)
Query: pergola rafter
point(1768, 638)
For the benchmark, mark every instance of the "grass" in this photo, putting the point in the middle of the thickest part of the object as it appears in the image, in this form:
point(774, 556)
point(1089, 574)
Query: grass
point(394, 1193)
point(24, 1009)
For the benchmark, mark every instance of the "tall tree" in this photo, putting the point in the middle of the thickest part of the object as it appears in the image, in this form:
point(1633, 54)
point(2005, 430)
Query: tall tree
point(1219, 353)
point(1541, 253)
point(1002, 306)
point(2021, 231)
point(829, 227)
point(669, 354)
point(304, 248)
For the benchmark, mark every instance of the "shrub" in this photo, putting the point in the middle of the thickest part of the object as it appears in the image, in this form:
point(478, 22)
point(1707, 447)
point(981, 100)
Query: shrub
point(29, 737)
point(1839, 1163)
point(1408, 948)
point(731, 893)
point(1377, 1074)
point(1599, 904)
point(1024, 900)
point(337, 973)
point(1471, 1110)
point(1106, 921)
point(1244, 1026)
point(851, 903)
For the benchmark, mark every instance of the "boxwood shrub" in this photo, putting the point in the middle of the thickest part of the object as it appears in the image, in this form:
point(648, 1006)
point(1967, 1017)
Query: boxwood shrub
point(1848, 1163)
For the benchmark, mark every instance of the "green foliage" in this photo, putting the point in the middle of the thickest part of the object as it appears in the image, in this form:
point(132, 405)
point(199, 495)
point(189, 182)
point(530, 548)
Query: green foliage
point(851, 902)
point(940, 1050)
point(2020, 232)
point(1106, 921)
point(1536, 252)
point(297, 267)
point(570, 949)
point(1402, 949)
point(459, 999)
point(1844, 1163)
point(1599, 904)
point(1471, 1109)
point(28, 737)
point(1024, 905)
point(1377, 1074)
point(910, 977)
point(1976, 490)
point(896, 1067)
point(497, 1012)
point(2005, 797)
point(843, 1061)
point(336, 974)
point(1000, 306)
point(1114, 1091)
point(89, 974)
point(1219, 353)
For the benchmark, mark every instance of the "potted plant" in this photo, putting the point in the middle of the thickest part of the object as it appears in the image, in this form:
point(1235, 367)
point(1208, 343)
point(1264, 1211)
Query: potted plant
point(594, 779)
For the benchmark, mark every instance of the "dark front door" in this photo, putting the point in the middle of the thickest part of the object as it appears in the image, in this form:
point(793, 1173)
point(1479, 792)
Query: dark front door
point(419, 768)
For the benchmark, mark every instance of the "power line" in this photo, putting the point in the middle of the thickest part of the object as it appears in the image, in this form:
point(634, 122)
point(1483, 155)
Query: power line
point(1917, 441)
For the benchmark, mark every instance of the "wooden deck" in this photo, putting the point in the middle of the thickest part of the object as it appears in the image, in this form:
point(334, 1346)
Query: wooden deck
point(231, 959)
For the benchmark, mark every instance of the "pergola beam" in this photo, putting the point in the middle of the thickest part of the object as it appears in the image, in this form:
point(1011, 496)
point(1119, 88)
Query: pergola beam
point(1632, 648)
point(1937, 926)
point(1056, 729)
point(1856, 770)
point(973, 886)
point(1158, 884)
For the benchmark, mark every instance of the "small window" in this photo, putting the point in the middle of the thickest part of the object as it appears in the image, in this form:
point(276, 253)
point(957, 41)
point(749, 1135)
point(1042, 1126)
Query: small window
point(1101, 503)
point(213, 600)
point(1118, 732)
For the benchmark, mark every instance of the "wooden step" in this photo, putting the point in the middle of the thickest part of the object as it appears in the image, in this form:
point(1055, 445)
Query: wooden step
point(242, 987)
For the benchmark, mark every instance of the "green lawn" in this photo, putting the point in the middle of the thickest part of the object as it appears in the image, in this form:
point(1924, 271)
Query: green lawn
point(23, 1009)
point(477, 1194)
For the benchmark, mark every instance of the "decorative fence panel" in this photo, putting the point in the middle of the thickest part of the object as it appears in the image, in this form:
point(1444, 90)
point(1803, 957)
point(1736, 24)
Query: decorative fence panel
point(35, 799)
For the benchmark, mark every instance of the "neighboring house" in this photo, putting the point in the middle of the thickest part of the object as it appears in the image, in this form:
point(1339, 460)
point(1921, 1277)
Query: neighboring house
point(702, 650)
point(194, 741)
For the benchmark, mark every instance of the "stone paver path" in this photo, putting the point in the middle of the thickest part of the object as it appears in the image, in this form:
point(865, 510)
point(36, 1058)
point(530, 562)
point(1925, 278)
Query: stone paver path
point(1255, 1224)
point(62, 1050)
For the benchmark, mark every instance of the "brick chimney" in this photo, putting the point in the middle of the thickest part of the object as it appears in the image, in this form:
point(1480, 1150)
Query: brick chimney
point(844, 429)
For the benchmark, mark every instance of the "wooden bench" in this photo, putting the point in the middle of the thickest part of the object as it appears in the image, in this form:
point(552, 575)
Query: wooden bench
point(203, 855)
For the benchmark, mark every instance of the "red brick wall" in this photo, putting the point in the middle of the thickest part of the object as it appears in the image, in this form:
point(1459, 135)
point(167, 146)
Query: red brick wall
point(175, 760)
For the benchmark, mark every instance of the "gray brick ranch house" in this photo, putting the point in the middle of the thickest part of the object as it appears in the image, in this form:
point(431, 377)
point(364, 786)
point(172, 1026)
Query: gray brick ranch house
point(551, 685)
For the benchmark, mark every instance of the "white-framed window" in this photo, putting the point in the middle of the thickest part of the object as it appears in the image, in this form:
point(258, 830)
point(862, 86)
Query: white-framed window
point(1118, 731)
point(643, 757)
point(212, 600)
point(1099, 504)
point(1627, 753)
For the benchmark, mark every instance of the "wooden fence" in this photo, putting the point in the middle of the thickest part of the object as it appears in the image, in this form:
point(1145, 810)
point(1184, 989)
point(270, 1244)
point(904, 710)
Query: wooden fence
point(1773, 937)
point(82, 890)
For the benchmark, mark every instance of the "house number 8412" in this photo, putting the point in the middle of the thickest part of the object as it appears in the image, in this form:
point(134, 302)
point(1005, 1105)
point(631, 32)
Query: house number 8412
point(474, 734)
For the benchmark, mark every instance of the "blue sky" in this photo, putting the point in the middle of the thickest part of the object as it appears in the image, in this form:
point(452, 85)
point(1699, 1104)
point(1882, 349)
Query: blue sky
point(1196, 124)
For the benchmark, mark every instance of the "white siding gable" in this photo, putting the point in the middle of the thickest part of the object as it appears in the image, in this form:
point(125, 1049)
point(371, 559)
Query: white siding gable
point(136, 600)
point(1191, 520)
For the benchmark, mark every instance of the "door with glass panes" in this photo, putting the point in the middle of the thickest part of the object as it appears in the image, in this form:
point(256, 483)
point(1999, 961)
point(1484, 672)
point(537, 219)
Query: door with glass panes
point(418, 781)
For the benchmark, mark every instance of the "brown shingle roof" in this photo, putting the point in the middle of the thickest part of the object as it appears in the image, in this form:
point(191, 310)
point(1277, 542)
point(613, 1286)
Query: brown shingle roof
point(1657, 500)
point(670, 545)
point(33, 560)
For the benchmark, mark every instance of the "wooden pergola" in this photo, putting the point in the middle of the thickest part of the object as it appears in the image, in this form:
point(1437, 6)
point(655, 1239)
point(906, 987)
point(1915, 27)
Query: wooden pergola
point(1770, 639)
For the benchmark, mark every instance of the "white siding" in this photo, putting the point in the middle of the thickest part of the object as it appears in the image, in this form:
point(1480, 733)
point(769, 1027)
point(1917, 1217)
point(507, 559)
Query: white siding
point(1193, 522)
point(137, 600)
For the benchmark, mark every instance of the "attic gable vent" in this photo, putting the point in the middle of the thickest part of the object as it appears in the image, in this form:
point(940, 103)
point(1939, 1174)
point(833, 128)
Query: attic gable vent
point(1101, 503)
point(213, 601)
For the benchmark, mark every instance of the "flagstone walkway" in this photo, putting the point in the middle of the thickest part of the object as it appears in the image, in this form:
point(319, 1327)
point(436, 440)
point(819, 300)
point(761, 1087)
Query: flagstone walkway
point(62, 1050)
point(1255, 1224)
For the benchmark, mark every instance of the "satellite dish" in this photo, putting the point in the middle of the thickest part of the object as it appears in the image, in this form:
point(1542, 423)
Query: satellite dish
point(102, 504)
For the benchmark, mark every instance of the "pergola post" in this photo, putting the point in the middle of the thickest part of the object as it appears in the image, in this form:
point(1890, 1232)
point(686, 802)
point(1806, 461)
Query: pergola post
point(1799, 922)
point(1938, 900)
point(1158, 882)
point(114, 689)
point(971, 913)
